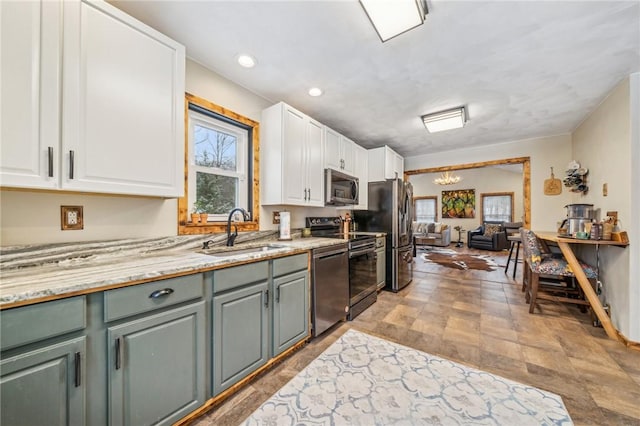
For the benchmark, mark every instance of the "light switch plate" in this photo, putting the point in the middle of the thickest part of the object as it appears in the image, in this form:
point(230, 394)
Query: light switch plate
point(71, 218)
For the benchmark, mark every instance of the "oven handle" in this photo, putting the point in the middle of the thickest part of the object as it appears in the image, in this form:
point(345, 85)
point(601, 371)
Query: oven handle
point(354, 253)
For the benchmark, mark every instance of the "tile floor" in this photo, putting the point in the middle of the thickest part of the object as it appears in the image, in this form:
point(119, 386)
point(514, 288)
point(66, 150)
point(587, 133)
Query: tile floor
point(480, 319)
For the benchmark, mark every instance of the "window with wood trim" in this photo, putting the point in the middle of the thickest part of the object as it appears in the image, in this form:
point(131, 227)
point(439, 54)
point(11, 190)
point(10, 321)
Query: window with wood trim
point(497, 206)
point(426, 208)
point(221, 168)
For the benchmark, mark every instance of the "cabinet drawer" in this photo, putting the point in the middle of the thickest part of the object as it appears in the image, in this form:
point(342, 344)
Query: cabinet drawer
point(238, 276)
point(28, 324)
point(124, 302)
point(287, 265)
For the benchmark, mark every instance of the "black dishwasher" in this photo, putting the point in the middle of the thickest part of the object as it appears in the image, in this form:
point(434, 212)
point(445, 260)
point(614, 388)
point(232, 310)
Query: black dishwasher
point(330, 289)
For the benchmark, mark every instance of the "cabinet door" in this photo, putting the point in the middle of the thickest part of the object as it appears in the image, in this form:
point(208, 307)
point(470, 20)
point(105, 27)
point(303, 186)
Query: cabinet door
point(240, 334)
point(332, 155)
point(362, 173)
point(294, 157)
point(157, 367)
point(381, 268)
point(123, 104)
point(314, 165)
point(398, 165)
point(290, 310)
point(348, 150)
point(29, 86)
point(45, 386)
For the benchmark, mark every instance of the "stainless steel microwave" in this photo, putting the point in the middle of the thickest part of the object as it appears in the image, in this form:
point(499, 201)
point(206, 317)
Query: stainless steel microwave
point(341, 189)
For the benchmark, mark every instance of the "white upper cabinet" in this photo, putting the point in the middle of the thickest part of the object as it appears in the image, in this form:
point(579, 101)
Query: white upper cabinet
point(339, 152)
point(291, 163)
point(385, 163)
point(362, 173)
point(29, 93)
point(122, 96)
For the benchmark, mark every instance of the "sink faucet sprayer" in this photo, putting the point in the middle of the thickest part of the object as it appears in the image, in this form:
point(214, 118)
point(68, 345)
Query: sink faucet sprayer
point(232, 237)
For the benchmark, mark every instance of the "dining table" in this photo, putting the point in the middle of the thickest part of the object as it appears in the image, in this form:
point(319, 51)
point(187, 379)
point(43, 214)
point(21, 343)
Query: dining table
point(565, 244)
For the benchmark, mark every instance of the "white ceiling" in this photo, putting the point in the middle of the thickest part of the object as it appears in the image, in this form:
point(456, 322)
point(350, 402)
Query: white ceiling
point(523, 69)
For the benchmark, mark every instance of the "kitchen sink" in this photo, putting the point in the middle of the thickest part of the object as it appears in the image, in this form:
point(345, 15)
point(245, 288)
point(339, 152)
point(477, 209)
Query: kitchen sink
point(232, 251)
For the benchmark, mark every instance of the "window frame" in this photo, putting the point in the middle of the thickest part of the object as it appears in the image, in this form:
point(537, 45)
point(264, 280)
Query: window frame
point(496, 194)
point(242, 135)
point(252, 171)
point(425, 197)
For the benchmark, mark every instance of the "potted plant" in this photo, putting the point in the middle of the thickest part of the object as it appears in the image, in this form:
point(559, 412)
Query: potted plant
point(201, 212)
point(195, 216)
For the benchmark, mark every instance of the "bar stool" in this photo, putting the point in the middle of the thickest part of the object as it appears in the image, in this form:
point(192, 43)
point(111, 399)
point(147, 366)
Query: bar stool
point(512, 229)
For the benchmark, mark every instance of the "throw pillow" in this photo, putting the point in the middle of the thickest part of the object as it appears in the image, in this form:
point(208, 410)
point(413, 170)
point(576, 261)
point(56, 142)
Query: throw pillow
point(431, 228)
point(444, 227)
point(491, 228)
point(437, 228)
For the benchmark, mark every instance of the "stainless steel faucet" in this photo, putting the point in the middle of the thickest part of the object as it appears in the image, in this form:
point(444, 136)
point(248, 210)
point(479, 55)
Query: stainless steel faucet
point(232, 237)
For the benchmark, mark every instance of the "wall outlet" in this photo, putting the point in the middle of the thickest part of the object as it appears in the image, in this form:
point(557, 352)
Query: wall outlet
point(71, 218)
point(276, 218)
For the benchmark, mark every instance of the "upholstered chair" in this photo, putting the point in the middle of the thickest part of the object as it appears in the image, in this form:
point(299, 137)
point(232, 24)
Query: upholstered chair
point(558, 284)
point(488, 236)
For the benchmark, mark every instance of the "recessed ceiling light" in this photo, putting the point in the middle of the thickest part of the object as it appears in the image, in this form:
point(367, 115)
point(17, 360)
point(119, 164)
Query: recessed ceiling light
point(314, 91)
point(246, 61)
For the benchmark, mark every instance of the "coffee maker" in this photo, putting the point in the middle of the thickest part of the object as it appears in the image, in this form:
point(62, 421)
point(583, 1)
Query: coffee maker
point(577, 216)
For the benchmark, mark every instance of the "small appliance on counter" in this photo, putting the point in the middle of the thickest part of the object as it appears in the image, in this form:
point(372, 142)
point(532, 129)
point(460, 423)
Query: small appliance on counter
point(577, 216)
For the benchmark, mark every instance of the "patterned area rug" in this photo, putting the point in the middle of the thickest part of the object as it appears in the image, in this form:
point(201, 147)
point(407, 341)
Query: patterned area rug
point(462, 261)
point(365, 380)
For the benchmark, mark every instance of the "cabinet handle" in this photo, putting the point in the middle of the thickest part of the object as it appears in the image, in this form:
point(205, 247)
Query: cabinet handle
point(160, 293)
point(266, 298)
point(278, 294)
point(77, 370)
point(309, 191)
point(50, 160)
point(118, 353)
point(71, 163)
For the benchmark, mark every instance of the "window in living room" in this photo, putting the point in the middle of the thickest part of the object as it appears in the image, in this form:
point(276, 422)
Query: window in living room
point(426, 209)
point(497, 207)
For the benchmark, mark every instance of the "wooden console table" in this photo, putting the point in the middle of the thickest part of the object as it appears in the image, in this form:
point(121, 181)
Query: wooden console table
point(565, 246)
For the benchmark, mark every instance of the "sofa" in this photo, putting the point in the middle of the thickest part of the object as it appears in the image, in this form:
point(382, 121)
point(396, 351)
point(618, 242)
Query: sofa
point(441, 232)
point(488, 236)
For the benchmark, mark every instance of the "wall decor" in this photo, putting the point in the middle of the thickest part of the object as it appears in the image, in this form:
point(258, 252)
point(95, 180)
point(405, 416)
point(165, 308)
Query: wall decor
point(576, 179)
point(459, 204)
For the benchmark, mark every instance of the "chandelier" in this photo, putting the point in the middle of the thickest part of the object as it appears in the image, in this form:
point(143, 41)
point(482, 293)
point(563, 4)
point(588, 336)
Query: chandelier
point(447, 178)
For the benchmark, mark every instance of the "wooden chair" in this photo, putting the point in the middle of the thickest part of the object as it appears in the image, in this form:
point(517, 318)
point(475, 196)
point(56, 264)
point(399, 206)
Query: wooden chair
point(558, 281)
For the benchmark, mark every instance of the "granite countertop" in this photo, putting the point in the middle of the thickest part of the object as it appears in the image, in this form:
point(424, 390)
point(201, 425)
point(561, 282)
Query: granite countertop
point(33, 273)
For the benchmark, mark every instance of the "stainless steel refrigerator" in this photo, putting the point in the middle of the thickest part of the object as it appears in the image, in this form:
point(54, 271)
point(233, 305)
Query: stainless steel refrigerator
point(391, 211)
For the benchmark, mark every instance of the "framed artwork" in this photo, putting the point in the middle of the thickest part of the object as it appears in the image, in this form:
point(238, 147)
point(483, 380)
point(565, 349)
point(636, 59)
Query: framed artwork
point(460, 204)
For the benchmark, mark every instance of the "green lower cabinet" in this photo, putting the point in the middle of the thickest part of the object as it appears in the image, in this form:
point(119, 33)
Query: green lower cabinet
point(157, 367)
point(240, 333)
point(44, 386)
point(290, 310)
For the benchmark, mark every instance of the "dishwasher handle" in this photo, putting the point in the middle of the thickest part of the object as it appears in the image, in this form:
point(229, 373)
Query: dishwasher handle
point(327, 254)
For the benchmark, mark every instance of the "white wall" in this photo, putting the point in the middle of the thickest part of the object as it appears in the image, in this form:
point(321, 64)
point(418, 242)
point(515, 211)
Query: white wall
point(553, 151)
point(482, 180)
point(603, 144)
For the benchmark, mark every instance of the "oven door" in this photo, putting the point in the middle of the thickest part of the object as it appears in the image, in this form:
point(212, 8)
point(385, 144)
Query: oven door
point(362, 274)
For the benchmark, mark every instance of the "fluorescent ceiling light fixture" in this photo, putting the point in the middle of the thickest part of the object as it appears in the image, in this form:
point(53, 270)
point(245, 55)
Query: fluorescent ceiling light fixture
point(394, 17)
point(315, 91)
point(447, 179)
point(445, 120)
point(246, 61)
